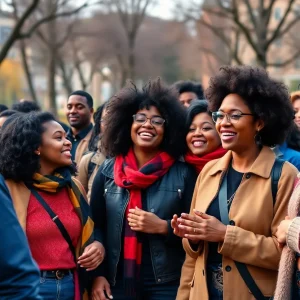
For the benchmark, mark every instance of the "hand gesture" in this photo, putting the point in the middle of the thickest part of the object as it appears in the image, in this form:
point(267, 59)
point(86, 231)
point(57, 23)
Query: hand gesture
point(147, 222)
point(282, 230)
point(92, 256)
point(100, 287)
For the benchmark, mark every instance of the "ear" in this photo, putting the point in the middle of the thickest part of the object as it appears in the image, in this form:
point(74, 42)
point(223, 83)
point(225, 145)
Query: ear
point(37, 151)
point(92, 110)
point(260, 124)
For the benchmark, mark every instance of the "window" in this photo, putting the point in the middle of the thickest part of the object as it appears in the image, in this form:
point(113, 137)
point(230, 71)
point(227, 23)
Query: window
point(277, 13)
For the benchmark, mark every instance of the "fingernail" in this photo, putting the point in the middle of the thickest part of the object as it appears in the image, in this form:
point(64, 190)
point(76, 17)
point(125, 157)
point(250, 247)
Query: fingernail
point(183, 214)
point(111, 297)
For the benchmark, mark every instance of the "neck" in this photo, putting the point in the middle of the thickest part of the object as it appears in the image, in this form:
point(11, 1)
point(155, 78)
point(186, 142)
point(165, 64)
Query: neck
point(142, 157)
point(75, 131)
point(46, 170)
point(243, 161)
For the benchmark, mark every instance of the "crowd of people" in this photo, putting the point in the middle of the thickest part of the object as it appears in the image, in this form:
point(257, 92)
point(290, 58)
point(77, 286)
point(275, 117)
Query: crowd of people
point(162, 193)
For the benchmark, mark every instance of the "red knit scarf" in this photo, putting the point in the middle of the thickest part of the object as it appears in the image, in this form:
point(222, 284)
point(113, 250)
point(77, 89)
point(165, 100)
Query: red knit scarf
point(127, 175)
point(200, 161)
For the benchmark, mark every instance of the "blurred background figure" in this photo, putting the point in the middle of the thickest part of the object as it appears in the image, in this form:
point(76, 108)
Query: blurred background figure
point(188, 91)
point(90, 162)
point(3, 108)
point(79, 114)
point(5, 114)
point(295, 97)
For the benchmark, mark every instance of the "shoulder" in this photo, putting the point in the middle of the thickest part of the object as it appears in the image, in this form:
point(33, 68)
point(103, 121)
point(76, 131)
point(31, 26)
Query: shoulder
point(289, 170)
point(182, 167)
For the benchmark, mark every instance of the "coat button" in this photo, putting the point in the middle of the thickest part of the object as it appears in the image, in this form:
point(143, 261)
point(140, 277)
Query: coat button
point(231, 222)
point(248, 175)
point(227, 268)
point(152, 210)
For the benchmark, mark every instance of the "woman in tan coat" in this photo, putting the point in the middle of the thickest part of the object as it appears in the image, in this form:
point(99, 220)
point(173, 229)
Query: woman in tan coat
point(229, 235)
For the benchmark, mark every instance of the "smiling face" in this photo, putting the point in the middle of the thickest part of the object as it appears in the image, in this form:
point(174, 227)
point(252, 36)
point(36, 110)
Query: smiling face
point(78, 112)
point(147, 137)
point(296, 105)
point(202, 137)
point(238, 136)
point(55, 148)
point(186, 98)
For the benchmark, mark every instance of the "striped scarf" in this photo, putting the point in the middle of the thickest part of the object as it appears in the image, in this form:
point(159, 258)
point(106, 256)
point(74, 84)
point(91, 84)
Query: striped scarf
point(128, 176)
point(51, 184)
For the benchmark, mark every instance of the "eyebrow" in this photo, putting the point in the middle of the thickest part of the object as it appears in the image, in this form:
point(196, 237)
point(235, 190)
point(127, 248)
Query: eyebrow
point(151, 116)
point(206, 122)
point(236, 109)
point(58, 131)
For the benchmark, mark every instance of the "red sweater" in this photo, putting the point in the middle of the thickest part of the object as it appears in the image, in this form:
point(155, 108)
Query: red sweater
point(48, 247)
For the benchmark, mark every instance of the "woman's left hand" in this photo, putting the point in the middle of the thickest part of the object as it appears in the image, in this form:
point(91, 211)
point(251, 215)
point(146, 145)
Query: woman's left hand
point(92, 256)
point(282, 230)
point(202, 227)
point(147, 222)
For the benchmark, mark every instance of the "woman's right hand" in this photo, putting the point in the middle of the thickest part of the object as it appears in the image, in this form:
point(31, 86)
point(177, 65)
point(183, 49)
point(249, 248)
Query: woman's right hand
point(175, 225)
point(100, 285)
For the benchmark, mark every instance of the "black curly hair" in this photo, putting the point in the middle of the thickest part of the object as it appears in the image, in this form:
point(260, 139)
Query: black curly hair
point(93, 143)
point(266, 98)
point(26, 106)
point(20, 136)
point(184, 86)
point(116, 139)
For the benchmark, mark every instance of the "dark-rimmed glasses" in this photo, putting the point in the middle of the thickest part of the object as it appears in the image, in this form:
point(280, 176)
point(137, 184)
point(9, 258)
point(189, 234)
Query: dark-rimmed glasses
point(155, 121)
point(218, 116)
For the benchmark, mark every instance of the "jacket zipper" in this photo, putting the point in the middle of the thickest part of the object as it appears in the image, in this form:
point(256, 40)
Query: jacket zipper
point(123, 213)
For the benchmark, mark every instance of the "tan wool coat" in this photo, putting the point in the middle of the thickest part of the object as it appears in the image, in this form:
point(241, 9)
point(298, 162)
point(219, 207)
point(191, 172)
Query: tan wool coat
point(251, 238)
point(82, 147)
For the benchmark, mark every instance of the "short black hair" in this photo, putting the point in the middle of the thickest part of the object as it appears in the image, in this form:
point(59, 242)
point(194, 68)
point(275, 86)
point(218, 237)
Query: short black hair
point(116, 139)
point(189, 86)
point(93, 143)
point(8, 113)
point(196, 107)
point(266, 98)
point(3, 107)
point(26, 106)
point(293, 138)
point(88, 97)
point(19, 138)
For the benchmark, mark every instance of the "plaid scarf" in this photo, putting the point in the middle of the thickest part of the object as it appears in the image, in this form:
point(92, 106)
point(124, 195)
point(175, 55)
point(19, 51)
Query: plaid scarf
point(128, 176)
point(198, 162)
point(51, 184)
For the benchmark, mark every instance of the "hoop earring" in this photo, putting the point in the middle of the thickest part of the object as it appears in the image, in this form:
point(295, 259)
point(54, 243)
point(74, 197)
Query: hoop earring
point(257, 139)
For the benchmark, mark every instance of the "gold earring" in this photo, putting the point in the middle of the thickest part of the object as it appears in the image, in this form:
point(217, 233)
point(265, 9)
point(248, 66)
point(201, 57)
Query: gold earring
point(39, 153)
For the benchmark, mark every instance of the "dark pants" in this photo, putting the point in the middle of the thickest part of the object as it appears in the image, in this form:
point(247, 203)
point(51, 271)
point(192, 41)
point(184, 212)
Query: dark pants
point(57, 289)
point(149, 291)
point(215, 281)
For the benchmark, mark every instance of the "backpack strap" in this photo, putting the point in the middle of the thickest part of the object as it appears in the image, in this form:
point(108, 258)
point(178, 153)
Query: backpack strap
point(275, 176)
point(91, 166)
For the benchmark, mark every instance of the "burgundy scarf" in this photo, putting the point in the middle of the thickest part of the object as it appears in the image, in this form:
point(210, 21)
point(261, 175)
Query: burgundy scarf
point(200, 161)
point(128, 176)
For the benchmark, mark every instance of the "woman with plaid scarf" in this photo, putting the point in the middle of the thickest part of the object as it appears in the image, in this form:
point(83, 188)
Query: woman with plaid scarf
point(136, 193)
point(50, 204)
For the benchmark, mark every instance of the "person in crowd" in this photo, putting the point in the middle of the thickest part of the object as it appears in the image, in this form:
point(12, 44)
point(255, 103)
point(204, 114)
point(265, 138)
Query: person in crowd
point(90, 162)
point(5, 114)
point(238, 202)
point(290, 149)
point(19, 276)
point(136, 192)
point(188, 91)
point(51, 206)
point(26, 106)
point(288, 235)
point(79, 113)
point(295, 97)
point(3, 108)
point(202, 139)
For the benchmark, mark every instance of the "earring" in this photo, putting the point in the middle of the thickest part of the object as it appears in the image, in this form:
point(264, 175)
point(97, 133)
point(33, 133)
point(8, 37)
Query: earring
point(38, 153)
point(257, 139)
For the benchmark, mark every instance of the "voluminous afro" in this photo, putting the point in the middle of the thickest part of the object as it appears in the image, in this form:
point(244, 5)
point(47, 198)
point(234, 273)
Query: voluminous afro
point(116, 139)
point(20, 136)
point(266, 98)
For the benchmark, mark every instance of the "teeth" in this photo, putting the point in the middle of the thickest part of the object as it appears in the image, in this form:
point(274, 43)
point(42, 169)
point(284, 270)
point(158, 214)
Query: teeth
point(146, 134)
point(228, 134)
point(198, 143)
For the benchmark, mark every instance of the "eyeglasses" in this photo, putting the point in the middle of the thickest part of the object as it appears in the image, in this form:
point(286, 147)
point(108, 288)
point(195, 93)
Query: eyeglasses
point(218, 116)
point(155, 121)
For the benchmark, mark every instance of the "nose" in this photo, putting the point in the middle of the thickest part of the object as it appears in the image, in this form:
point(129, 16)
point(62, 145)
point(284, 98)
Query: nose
point(148, 123)
point(72, 110)
point(67, 142)
point(198, 132)
point(186, 104)
point(226, 120)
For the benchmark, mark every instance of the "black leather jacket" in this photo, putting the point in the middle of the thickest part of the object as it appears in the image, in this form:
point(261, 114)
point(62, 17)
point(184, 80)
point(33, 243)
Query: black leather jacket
point(171, 194)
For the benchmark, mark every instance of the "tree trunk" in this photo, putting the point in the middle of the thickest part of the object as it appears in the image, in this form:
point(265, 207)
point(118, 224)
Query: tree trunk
point(261, 60)
point(131, 58)
point(67, 79)
point(27, 71)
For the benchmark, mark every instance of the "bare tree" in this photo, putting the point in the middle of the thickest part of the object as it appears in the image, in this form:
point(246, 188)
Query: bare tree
point(131, 14)
point(248, 21)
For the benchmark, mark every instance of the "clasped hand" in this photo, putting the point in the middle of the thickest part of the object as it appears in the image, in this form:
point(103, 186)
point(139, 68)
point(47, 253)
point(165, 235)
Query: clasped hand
point(92, 256)
point(199, 226)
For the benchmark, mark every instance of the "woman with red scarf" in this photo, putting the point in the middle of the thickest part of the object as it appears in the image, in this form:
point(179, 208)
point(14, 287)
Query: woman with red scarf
point(202, 139)
point(136, 193)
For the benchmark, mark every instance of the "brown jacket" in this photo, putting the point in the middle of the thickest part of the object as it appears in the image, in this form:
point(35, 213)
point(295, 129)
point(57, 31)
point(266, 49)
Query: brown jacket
point(251, 240)
point(82, 147)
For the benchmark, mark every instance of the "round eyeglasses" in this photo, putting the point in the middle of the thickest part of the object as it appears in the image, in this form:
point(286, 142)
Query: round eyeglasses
point(219, 116)
point(154, 121)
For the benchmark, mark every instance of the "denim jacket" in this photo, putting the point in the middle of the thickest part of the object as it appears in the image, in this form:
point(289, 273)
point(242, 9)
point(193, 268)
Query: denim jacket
point(169, 195)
